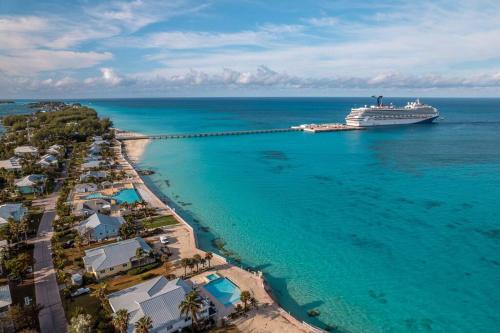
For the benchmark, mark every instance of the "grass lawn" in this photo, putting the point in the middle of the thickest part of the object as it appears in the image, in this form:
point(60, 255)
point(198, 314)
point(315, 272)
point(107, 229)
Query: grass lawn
point(87, 302)
point(158, 222)
point(120, 282)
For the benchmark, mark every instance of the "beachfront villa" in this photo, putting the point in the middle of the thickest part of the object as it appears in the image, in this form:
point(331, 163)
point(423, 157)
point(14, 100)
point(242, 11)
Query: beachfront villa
point(91, 175)
point(98, 227)
point(85, 187)
point(15, 211)
point(91, 206)
point(95, 164)
point(48, 161)
point(158, 299)
point(32, 184)
point(26, 151)
point(56, 150)
point(117, 257)
point(13, 163)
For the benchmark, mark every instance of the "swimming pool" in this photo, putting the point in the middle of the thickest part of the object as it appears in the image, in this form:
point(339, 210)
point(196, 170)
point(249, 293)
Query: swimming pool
point(213, 276)
point(225, 291)
point(128, 195)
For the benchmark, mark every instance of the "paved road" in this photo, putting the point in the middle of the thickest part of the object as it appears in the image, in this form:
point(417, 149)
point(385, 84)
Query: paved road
point(52, 319)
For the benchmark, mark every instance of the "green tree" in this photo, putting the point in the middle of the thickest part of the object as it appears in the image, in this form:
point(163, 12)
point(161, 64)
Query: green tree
point(197, 260)
point(143, 325)
point(245, 298)
point(185, 263)
point(100, 293)
point(208, 257)
point(190, 306)
point(120, 320)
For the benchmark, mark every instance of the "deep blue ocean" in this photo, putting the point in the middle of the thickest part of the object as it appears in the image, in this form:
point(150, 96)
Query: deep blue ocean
point(383, 230)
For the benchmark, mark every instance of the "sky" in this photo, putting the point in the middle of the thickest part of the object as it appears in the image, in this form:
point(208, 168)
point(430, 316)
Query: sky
point(175, 48)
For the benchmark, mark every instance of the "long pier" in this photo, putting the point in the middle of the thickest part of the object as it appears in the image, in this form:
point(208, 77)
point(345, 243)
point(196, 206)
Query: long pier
point(311, 128)
point(132, 136)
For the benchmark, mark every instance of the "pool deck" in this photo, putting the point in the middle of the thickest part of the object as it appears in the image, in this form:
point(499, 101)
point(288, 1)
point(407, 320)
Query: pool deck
point(269, 317)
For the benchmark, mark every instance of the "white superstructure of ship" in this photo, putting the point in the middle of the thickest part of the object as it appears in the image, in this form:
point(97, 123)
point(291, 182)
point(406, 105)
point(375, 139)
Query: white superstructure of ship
point(382, 115)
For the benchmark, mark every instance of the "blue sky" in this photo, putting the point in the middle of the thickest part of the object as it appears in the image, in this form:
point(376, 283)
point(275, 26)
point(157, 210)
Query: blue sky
point(249, 48)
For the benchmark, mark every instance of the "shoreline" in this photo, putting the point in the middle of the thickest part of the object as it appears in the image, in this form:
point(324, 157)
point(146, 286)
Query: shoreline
point(260, 320)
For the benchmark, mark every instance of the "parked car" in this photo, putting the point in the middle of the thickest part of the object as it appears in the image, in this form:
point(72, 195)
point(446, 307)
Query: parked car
point(80, 291)
point(68, 244)
point(164, 239)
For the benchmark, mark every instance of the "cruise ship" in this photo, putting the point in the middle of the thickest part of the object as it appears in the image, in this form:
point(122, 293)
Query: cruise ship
point(380, 114)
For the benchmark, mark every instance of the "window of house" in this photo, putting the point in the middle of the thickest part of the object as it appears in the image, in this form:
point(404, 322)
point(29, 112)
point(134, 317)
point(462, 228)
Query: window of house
point(124, 265)
point(111, 269)
point(103, 271)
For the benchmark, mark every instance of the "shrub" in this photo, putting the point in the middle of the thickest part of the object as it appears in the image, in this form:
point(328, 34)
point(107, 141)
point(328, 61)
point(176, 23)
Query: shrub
point(88, 278)
point(148, 276)
point(139, 270)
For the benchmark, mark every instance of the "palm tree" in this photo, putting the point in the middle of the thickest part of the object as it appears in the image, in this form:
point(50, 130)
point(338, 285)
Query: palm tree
point(190, 306)
point(208, 257)
point(185, 264)
point(139, 254)
point(203, 262)
point(101, 292)
point(191, 265)
point(196, 259)
point(254, 302)
point(245, 297)
point(143, 325)
point(120, 321)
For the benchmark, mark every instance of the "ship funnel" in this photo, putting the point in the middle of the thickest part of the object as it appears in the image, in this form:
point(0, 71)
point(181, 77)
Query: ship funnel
point(379, 100)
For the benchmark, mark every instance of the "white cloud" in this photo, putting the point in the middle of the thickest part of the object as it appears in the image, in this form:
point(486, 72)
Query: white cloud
point(327, 21)
point(49, 60)
point(108, 77)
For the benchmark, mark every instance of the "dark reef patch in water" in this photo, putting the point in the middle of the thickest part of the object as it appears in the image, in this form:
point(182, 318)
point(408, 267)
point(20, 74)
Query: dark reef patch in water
point(491, 261)
point(322, 179)
point(492, 233)
point(405, 200)
point(281, 168)
point(430, 204)
point(379, 297)
point(275, 155)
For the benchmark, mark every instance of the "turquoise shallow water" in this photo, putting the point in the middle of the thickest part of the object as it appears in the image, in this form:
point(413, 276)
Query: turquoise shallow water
point(384, 230)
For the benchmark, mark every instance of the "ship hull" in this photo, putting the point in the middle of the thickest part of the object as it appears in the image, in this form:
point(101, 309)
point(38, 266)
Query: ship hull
point(367, 122)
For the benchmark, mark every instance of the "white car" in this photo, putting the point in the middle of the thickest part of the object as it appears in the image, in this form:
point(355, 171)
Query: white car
point(80, 291)
point(164, 239)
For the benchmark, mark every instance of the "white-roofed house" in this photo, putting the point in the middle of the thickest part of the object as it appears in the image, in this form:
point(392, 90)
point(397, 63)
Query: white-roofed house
point(15, 211)
point(95, 164)
point(13, 163)
point(99, 226)
point(48, 161)
point(117, 257)
point(91, 206)
point(24, 151)
point(31, 184)
point(91, 175)
point(5, 300)
point(56, 150)
point(85, 187)
point(158, 299)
